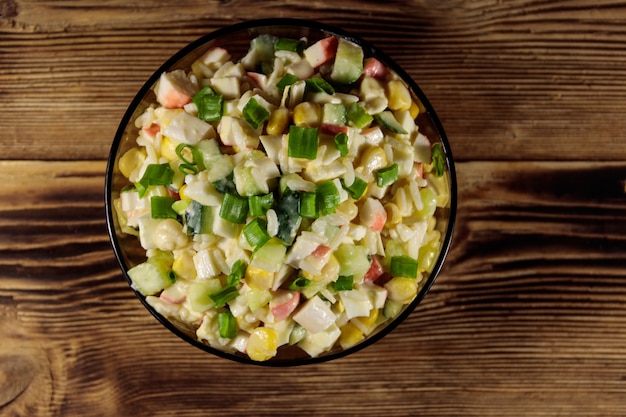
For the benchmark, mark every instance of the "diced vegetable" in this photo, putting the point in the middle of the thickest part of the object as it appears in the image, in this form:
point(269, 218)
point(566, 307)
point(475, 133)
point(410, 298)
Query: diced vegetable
point(288, 196)
point(210, 105)
point(403, 266)
point(150, 277)
point(348, 64)
point(227, 326)
point(234, 208)
point(303, 142)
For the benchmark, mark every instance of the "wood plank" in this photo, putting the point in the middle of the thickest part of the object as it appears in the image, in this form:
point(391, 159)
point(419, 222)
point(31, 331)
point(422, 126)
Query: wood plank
point(515, 80)
point(527, 318)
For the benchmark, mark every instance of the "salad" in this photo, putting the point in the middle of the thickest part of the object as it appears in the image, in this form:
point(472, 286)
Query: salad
point(286, 197)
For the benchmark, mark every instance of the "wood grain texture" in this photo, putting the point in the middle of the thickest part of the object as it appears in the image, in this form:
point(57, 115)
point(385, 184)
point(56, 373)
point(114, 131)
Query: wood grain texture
point(512, 80)
point(528, 317)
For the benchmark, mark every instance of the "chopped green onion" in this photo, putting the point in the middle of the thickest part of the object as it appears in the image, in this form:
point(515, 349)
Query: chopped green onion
point(319, 85)
point(259, 204)
point(299, 283)
point(359, 117)
point(403, 266)
point(438, 159)
point(343, 283)
point(328, 197)
point(288, 79)
point(226, 184)
point(234, 208)
point(356, 189)
point(387, 175)
point(254, 113)
point(303, 142)
point(210, 105)
point(255, 232)
point(224, 295)
point(226, 324)
point(161, 207)
point(341, 140)
point(189, 166)
point(308, 205)
point(237, 271)
point(155, 174)
point(293, 45)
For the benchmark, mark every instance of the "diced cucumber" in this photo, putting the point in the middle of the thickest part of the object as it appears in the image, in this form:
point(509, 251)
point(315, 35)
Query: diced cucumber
point(199, 294)
point(392, 308)
point(217, 165)
point(150, 277)
point(297, 334)
point(261, 53)
point(334, 114)
point(269, 257)
point(199, 219)
point(258, 297)
point(288, 214)
point(348, 65)
point(313, 288)
point(353, 260)
point(388, 121)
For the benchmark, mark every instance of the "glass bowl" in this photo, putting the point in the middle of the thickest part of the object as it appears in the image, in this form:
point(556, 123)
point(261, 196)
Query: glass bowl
point(236, 40)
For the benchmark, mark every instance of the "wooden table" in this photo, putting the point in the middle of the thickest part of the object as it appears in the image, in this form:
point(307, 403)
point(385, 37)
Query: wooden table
point(528, 317)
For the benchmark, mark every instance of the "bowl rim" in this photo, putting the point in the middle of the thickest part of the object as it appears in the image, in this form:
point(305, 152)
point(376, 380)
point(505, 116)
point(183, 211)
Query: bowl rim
point(371, 51)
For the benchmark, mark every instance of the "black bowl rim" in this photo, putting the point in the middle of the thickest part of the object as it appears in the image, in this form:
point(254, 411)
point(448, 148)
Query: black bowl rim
point(373, 51)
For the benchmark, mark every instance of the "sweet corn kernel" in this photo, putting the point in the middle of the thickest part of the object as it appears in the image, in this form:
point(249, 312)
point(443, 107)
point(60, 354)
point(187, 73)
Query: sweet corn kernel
point(278, 121)
point(414, 110)
point(262, 344)
point(130, 160)
point(393, 214)
point(370, 320)
point(259, 278)
point(373, 158)
point(168, 149)
point(401, 289)
point(330, 271)
point(181, 192)
point(307, 114)
point(350, 335)
point(183, 265)
point(398, 95)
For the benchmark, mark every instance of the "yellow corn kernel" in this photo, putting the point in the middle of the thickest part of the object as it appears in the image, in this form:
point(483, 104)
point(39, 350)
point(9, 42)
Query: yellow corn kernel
point(373, 158)
point(183, 265)
point(181, 192)
point(350, 335)
point(398, 95)
point(414, 110)
point(168, 149)
point(338, 307)
point(401, 289)
point(370, 320)
point(394, 216)
point(330, 271)
point(307, 114)
point(278, 121)
point(130, 161)
point(259, 278)
point(262, 344)
point(348, 208)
